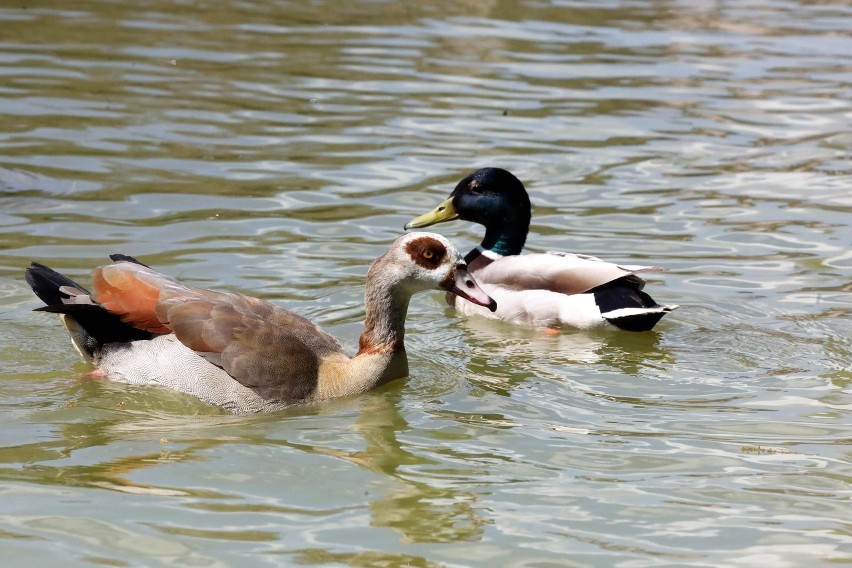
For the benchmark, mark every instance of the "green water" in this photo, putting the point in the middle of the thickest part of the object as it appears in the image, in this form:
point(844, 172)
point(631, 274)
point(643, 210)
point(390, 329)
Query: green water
point(277, 148)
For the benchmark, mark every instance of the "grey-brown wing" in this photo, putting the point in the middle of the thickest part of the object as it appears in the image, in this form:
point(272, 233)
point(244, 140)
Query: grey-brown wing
point(266, 348)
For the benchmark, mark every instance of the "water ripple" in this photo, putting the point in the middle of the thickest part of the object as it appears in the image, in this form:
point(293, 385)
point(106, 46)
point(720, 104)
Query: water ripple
point(276, 149)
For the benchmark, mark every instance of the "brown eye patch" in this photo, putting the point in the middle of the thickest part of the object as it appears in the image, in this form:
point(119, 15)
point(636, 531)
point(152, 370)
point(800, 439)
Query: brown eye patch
point(426, 252)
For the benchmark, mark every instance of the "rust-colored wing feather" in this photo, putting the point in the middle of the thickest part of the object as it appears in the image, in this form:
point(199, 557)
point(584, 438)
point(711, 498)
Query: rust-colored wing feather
point(132, 291)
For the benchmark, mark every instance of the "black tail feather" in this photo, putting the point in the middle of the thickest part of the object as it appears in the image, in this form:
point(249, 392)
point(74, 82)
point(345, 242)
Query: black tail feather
point(638, 322)
point(46, 282)
point(609, 299)
point(100, 325)
point(621, 294)
point(126, 258)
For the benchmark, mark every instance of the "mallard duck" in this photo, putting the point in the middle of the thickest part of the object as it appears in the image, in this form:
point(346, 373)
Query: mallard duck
point(547, 289)
point(239, 352)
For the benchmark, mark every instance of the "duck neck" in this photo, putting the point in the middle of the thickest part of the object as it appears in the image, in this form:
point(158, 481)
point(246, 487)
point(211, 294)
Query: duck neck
point(480, 257)
point(507, 237)
point(386, 305)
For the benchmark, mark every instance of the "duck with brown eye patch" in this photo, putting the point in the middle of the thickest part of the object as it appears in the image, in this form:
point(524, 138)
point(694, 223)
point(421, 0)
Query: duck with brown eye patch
point(142, 327)
point(426, 252)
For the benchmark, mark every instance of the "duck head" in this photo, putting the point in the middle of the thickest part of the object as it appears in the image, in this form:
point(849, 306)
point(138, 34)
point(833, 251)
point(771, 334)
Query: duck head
point(428, 260)
point(492, 197)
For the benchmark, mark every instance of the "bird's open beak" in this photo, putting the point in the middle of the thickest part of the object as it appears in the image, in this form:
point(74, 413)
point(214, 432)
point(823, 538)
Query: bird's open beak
point(462, 284)
point(443, 212)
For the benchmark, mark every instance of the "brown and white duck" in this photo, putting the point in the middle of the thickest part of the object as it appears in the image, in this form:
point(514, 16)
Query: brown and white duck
point(242, 353)
point(545, 289)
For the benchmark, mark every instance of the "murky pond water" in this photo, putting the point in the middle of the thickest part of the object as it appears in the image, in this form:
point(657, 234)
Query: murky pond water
point(277, 148)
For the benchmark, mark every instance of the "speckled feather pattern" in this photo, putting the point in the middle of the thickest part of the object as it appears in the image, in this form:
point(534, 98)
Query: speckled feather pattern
point(165, 361)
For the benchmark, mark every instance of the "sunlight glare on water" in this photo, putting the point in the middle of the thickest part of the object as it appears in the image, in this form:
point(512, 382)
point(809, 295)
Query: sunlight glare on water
point(276, 149)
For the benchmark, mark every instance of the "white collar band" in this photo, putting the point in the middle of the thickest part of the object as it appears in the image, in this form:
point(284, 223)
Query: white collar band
point(489, 253)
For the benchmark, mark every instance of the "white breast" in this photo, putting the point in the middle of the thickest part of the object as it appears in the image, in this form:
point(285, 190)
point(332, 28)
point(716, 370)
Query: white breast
point(540, 308)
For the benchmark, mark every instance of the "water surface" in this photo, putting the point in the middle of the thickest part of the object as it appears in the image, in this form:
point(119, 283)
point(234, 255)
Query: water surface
point(276, 149)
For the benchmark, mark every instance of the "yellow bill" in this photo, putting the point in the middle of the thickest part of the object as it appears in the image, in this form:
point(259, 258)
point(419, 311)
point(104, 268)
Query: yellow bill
point(443, 212)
